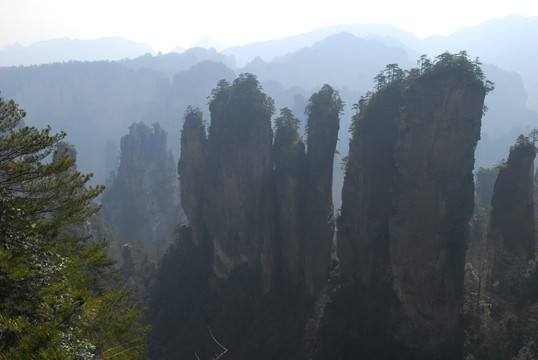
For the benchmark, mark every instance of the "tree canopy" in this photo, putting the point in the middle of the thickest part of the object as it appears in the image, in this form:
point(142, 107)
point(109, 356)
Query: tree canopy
point(56, 300)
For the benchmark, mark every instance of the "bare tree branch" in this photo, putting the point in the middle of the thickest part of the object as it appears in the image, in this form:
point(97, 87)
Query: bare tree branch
point(225, 350)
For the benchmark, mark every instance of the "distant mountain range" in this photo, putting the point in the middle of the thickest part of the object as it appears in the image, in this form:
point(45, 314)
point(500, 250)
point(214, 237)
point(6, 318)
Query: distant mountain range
point(98, 100)
point(60, 50)
point(510, 43)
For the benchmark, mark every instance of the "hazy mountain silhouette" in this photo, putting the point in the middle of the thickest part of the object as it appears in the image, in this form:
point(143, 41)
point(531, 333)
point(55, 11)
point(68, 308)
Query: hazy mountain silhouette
point(342, 60)
point(506, 118)
point(267, 50)
point(508, 42)
point(172, 63)
point(208, 42)
point(58, 50)
point(96, 101)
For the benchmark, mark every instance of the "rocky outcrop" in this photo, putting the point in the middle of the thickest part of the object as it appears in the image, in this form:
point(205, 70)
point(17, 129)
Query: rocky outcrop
point(363, 224)
point(267, 206)
point(433, 199)
point(289, 160)
point(323, 124)
point(407, 199)
point(235, 217)
point(142, 203)
point(257, 248)
point(191, 170)
point(512, 227)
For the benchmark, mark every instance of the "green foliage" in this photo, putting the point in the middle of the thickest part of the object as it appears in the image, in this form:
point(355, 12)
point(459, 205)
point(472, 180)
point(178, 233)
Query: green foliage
point(326, 99)
point(525, 141)
point(245, 89)
point(460, 62)
point(324, 105)
point(194, 114)
point(392, 73)
point(393, 78)
point(53, 278)
point(237, 108)
point(286, 121)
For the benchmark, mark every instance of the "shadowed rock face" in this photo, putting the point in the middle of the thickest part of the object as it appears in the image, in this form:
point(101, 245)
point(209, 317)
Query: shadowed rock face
point(407, 198)
point(237, 181)
point(512, 227)
point(260, 225)
point(322, 130)
point(191, 171)
point(433, 200)
point(142, 204)
point(363, 227)
point(289, 159)
point(255, 203)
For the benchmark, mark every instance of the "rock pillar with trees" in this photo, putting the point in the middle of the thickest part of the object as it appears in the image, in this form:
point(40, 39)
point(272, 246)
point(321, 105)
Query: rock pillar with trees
point(406, 208)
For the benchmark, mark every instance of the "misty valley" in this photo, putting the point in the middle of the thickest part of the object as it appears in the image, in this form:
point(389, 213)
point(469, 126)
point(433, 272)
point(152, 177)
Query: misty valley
point(344, 198)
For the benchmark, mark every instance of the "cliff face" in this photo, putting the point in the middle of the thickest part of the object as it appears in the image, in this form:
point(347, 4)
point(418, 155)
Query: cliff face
point(289, 160)
point(511, 233)
point(363, 227)
point(236, 200)
point(142, 204)
point(191, 171)
point(260, 225)
point(322, 131)
point(433, 199)
point(269, 207)
point(407, 198)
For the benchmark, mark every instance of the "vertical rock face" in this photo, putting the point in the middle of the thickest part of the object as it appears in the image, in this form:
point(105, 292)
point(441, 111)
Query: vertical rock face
point(512, 227)
point(260, 223)
point(191, 171)
point(433, 199)
point(238, 177)
point(289, 159)
point(142, 204)
point(226, 179)
point(407, 198)
point(363, 227)
point(255, 203)
point(322, 131)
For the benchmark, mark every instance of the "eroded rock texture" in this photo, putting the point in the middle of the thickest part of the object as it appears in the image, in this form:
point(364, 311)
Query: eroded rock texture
point(142, 204)
point(512, 227)
point(433, 199)
point(322, 134)
point(406, 203)
point(232, 209)
point(257, 249)
point(363, 227)
point(191, 171)
point(289, 159)
point(254, 203)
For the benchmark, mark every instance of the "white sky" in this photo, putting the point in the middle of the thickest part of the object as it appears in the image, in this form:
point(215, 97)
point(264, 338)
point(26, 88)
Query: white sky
point(163, 24)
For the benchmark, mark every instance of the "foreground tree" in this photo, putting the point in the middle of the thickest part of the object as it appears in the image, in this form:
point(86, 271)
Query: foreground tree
point(55, 297)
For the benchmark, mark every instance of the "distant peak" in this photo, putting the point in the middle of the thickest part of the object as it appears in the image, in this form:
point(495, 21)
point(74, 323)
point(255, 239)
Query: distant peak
point(208, 42)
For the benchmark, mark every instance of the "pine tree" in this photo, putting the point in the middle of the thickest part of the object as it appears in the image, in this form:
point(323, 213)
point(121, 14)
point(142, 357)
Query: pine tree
point(56, 300)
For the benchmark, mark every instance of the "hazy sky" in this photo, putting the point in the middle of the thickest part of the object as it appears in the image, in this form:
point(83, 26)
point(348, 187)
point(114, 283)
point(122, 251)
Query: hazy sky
point(163, 24)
